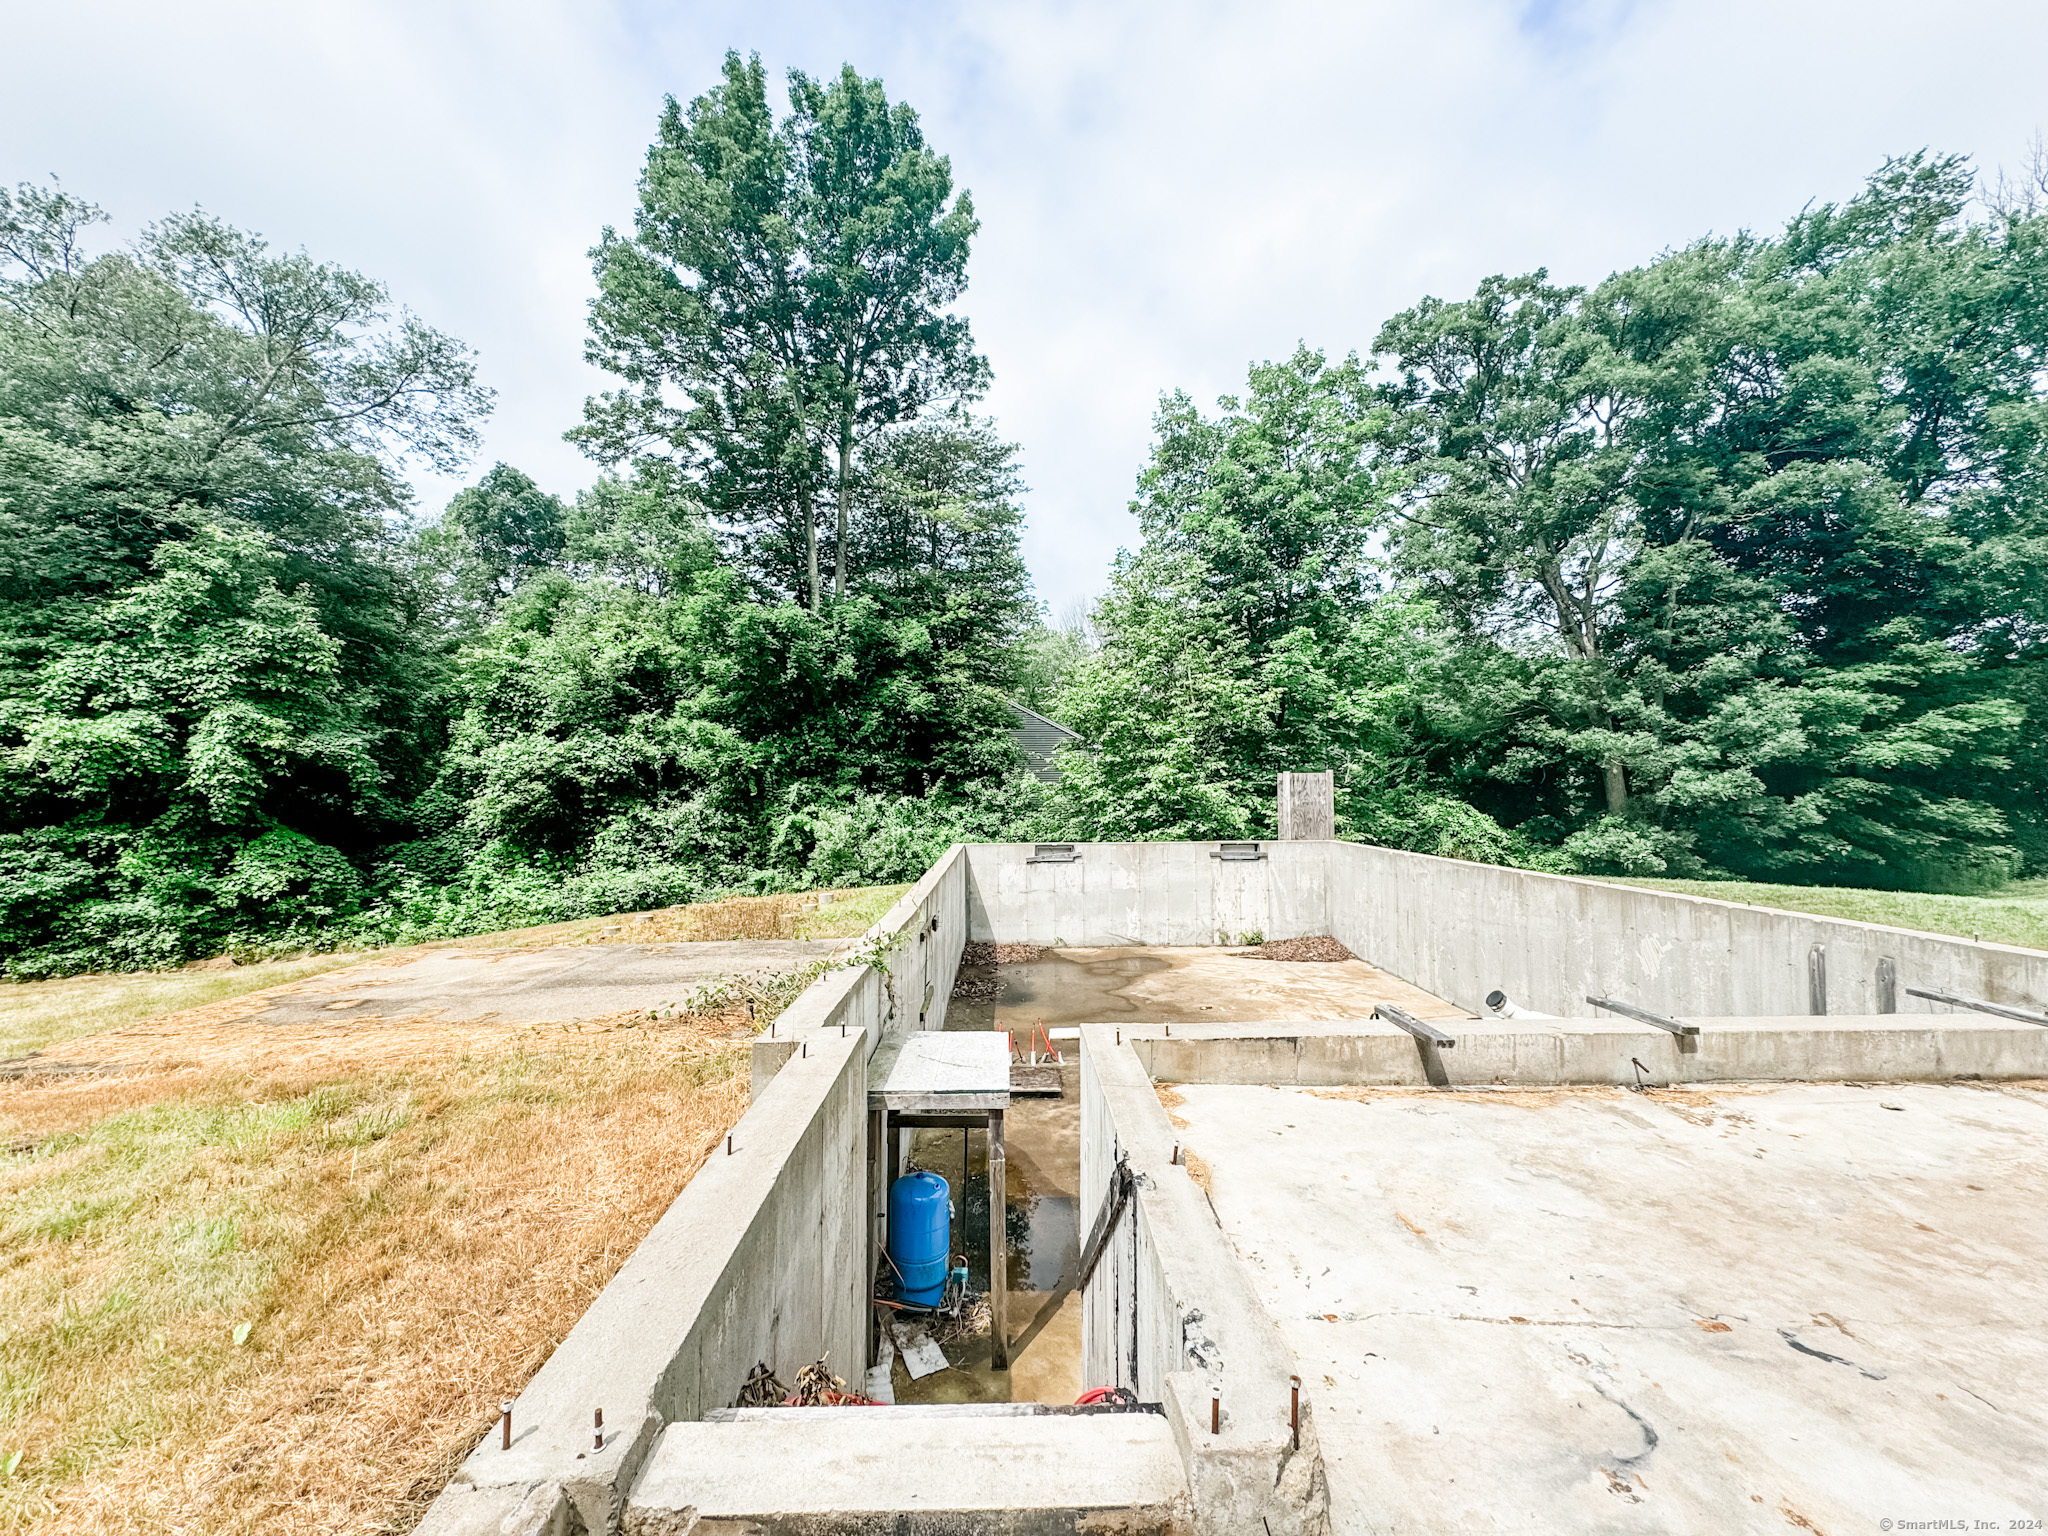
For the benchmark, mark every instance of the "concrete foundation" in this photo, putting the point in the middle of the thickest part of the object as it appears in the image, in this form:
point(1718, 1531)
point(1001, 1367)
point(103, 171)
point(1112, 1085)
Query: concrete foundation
point(822, 1472)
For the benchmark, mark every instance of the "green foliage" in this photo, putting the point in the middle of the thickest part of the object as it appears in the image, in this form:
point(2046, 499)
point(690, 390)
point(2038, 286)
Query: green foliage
point(212, 701)
point(780, 301)
point(492, 537)
point(1724, 566)
point(1745, 527)
point(1246, 637)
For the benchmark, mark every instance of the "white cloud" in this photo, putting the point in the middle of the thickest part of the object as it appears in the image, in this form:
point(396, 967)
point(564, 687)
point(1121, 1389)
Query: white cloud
point(1168, 191)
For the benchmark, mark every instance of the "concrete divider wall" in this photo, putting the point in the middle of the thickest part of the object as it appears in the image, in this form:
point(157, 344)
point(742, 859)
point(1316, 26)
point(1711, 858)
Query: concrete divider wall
point(1535, 1053)
point(1146, 893)
point(1461, 930)
point(901, 970)
point(765, 1256)
point(1170, 1314)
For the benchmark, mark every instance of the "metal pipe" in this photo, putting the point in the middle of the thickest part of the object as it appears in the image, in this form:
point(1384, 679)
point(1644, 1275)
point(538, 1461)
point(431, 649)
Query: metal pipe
point(1215, 1411)
point(1294, 1409)
point(505, 1425)
point(998, 1244)
point(597, 1429)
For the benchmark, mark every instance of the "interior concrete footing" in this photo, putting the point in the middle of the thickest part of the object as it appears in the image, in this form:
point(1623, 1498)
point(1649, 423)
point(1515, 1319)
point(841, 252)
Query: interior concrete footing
point(798, 1472)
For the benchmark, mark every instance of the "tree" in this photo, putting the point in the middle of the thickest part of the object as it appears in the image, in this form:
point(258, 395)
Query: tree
point(1748, 520)
point(1246, 635)
point(935, 537)
point(494, 536)
point(781, 300)
point(211, 668)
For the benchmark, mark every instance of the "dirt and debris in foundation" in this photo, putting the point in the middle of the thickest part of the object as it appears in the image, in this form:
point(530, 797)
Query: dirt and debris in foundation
point(978, 953)
point(978, 980)
point(1320, 947)
point(816, 1387)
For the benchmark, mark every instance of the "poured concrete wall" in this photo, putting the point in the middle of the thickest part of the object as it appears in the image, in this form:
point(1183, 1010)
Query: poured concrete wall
point(1462, 930)
point(1535, 1053)
point(1146, 893)
point(1170, 1314)
point(764, 1257)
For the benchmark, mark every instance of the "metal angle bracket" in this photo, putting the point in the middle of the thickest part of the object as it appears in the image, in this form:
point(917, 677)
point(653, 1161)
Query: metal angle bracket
point(1237, 853)
point(1677, 1027)
point(1121, 1184)
point(1428, 1034)
point(2003, 1010)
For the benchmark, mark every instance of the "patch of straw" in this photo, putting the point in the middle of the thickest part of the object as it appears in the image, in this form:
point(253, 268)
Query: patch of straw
point(280, 1284)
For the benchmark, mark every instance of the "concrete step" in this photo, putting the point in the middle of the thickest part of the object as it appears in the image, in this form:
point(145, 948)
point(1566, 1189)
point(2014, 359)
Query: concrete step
point(810, 1472)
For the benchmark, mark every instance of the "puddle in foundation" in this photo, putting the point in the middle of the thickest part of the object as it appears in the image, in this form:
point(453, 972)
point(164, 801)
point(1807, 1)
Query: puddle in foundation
point(1042, 1135)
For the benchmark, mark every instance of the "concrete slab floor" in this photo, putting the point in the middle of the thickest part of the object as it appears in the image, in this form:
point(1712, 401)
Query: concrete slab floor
point(1157, 984)
point(1802, 1307)
point(562, 982)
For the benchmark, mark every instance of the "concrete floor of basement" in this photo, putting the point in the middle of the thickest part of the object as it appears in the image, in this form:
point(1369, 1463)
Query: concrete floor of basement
point(1803, 1307)
point(1160, 984)
point(1151, 985)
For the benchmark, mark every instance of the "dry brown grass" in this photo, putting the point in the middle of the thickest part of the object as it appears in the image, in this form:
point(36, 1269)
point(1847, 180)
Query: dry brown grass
point(38, 1014)
point(801, 915)
point(408, 1217)
point(277, 1276)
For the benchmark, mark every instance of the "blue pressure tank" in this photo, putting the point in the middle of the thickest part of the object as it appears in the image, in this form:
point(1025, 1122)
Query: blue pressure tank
point(920, 1235)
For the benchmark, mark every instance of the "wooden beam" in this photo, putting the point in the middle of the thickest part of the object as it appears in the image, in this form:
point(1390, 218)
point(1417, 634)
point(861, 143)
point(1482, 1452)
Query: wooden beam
point(998, 1246)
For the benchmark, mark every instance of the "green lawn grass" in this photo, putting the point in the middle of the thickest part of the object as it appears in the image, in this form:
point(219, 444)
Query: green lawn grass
point(2018, 914)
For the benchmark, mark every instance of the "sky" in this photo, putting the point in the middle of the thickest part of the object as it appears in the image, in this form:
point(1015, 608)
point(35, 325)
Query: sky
point(1169, 192)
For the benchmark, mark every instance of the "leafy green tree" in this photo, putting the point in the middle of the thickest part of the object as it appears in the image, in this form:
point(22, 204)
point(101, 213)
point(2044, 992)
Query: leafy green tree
point(1245, 637)
point(1749, 517)
point(189, 773)
point(1048, 657)
point(493, 536)
point(781, 300)
point(935, 537)
point(214, 702)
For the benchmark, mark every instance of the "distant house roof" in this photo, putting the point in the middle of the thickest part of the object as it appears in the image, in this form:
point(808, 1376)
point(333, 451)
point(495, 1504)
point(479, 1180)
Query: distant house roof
point(1036, 737)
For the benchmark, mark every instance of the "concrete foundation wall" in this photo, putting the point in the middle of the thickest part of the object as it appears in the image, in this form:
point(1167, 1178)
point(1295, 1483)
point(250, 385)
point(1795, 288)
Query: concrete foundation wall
point(1462, 930)
point(1170, 1313)
point(1146, 893)
point(1531, 1053)
point(765, 1256)
point(759, 1259)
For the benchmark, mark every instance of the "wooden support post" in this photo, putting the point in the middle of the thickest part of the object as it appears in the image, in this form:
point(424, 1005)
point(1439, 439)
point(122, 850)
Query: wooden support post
point(998, 1245)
